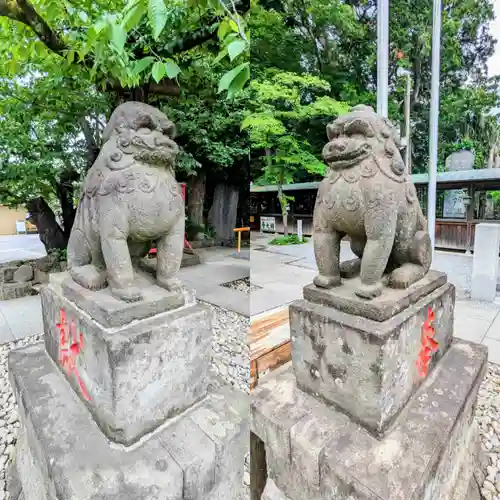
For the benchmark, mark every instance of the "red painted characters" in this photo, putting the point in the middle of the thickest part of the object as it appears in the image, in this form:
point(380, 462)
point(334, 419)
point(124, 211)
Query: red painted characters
point(429, 344)
point(70, 347)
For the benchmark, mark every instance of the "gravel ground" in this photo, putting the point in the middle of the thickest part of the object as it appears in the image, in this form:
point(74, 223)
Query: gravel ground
point(9, 422)
point(242, 285)
point(488, 418)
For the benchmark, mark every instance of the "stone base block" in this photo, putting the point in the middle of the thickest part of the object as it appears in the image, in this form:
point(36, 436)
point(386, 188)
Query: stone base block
point(133, 377)
point(314, 452)
point(368, 368)
point(62, 454)
point(10, 291)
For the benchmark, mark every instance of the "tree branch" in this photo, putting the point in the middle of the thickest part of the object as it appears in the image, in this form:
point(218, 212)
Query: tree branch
point(24, 12)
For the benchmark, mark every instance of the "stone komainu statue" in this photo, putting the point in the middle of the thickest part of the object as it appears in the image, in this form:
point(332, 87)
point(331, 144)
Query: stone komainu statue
point(130, 198)
point(367, 196)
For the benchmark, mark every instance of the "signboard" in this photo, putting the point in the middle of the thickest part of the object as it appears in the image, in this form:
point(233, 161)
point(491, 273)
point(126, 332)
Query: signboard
point(454, 206)
point(268, 224)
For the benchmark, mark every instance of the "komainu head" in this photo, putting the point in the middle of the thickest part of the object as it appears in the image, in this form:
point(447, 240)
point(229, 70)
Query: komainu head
point(359, 135)
point(142, 133)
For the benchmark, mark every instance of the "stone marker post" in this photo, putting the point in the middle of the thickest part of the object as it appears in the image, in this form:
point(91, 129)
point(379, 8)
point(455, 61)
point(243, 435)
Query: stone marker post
point(299, 230)
point(485, 263)
point(379, 401)
point(117, 403)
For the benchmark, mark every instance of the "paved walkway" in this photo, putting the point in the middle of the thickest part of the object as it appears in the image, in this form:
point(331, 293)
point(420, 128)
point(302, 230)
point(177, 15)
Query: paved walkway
point(21, 318)
point(281, 272)
point(20, 247)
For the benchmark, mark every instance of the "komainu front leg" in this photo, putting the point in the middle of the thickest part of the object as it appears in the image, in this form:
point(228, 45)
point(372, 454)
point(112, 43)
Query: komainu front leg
point(380, 230)
point(169, 252)
point(114, 233)
point(327, 253)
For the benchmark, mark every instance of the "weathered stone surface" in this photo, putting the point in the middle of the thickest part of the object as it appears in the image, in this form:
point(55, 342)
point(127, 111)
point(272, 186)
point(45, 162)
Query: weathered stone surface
point(485, 263)
point(368, 196)
point(10, 291)
point(367, 368)
point(65, 455)
point(109, 311)
point(425, 456)
point(188, 259)
point(381, 308)
point(130, 197)
point(7, 274)
point(23, 274)
point(132, 377)
point(460, 160)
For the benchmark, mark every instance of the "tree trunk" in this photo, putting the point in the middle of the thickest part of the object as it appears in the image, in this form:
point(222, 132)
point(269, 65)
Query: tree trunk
point(223, 212)
point(196, 198)
point(491, 157)
point(49, 231)
point(283, 202)
point(284, 211)
point(65, 193)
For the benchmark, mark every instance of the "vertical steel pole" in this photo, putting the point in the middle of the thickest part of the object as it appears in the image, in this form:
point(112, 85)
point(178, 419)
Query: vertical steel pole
point(407, 124)
point(382, 57)
point(434, 120)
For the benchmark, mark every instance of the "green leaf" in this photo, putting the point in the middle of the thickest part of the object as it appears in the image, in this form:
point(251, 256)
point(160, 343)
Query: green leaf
point(158, 15)
point(171, 68)
point(234, 26)
point(119, 37)
point(234, 49)
point(222, 54)
point(100, 25)
point(158, 71)
point(239, 82)
point(83, 16)
point(228, 78)
point(142, 64)
point(134, 14)
point(223, 29)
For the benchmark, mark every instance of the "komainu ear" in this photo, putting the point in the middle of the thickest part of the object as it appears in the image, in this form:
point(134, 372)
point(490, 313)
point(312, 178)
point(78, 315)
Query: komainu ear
point(168, 128)
point(333, 130)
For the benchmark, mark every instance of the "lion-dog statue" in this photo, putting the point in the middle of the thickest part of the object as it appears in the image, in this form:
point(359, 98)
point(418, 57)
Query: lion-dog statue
point(367, 195)
point(130, 198)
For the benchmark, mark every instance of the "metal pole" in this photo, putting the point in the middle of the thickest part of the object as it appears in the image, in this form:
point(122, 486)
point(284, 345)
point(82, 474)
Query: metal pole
point(382, 57)
point(434, 120)
point(407, 124)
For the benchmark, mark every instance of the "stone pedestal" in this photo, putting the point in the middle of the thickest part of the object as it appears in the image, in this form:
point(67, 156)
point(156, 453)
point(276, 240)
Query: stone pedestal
point(372, 410)
point(117, 402)
point(485, 263)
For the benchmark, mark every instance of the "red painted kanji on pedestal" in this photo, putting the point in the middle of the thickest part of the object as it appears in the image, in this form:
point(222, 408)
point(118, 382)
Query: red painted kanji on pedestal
point(429, 345)
point(70, 346)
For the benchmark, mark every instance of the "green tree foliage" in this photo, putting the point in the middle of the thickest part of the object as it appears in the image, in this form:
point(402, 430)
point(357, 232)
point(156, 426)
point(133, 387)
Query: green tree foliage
point(122, 44)
point(337, 42)
point(282, 106)
point(50, 129)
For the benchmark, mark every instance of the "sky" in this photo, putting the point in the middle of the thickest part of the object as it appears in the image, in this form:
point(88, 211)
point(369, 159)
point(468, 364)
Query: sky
point(494, 62)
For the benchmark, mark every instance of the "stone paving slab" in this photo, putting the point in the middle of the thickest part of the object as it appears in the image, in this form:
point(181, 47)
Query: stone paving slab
point(23, 317)
point(227, 298)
